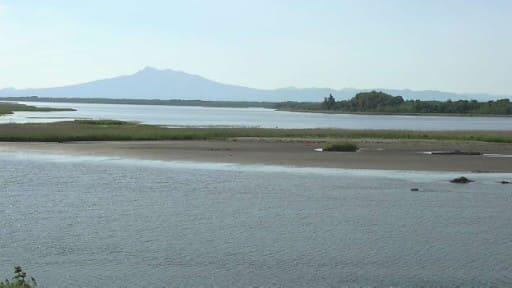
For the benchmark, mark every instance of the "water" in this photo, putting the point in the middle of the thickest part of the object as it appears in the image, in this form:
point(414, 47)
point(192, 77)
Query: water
point(254, 117)
point(106, 222)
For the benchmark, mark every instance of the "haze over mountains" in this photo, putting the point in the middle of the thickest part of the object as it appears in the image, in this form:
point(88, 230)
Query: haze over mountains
point(151, 83)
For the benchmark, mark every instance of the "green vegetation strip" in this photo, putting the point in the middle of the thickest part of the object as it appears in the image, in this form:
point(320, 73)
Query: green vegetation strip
point(170, 102)
point(9, 108)
point(105, 130)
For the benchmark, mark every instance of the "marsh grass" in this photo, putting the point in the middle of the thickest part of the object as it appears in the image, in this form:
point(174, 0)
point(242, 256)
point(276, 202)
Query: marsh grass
point(101, 122)
point(105, 130)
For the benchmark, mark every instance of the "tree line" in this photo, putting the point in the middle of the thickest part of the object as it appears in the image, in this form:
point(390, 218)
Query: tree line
point(380, 102)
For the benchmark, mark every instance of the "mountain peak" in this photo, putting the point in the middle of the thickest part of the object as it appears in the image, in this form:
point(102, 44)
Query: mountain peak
point(152, 71)
point(148, 69)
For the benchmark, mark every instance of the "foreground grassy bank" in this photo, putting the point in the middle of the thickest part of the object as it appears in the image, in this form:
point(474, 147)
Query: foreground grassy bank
point(9, 108)
point(105, 130)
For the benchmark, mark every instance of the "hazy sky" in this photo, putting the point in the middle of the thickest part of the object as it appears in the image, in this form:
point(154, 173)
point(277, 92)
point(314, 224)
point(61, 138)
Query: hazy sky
point(459, 46)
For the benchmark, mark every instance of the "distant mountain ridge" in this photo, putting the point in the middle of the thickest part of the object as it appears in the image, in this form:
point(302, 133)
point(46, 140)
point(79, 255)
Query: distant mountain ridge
point(151, 83)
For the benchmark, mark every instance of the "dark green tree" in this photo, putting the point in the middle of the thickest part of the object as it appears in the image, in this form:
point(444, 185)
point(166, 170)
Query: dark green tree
point(329, 102)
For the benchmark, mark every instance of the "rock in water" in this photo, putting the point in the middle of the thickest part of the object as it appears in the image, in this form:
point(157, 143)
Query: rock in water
point(461, 180)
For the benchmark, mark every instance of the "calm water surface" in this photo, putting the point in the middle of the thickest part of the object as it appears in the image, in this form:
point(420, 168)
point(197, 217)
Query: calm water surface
point(105, 222)
point(254, 117)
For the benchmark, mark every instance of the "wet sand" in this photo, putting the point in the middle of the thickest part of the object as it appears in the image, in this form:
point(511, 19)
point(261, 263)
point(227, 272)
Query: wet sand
point(374, 153)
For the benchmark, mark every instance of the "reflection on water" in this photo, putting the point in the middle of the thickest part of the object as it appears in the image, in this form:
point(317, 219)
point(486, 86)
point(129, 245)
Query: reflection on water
point(96, 221)
point(252, 117)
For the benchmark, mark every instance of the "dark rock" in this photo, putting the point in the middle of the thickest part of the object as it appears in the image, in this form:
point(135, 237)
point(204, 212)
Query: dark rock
point(461, 180)
point(415, 189)
point(504, 182)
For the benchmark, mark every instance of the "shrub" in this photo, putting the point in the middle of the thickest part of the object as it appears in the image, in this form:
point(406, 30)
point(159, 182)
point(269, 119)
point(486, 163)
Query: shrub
point(19, 281)
point(341, 147)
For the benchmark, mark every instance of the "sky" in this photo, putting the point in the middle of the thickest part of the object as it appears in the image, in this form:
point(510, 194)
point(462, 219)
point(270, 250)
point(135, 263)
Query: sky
point(462, 46)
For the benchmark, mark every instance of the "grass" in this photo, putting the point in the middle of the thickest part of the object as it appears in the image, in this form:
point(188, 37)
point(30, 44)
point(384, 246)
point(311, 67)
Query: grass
point(341, 147)
point(101, 122)
point(9, 108)
point(105, 130)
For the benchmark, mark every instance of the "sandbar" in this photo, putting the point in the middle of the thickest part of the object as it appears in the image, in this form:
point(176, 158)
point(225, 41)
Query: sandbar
point(373, 153)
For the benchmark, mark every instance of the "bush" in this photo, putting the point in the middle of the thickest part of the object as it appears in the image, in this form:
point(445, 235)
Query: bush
point(342, 147)
point(18, 281)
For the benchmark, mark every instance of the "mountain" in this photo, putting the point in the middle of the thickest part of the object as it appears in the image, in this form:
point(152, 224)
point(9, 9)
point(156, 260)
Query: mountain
point(151, 83)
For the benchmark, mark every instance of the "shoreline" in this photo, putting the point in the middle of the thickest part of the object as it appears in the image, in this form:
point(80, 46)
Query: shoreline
point(229, 104)
point(373, 154)
point(395, 114)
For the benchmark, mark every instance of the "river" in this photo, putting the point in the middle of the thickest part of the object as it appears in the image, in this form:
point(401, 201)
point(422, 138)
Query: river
point(253, 117)
point(75, 221)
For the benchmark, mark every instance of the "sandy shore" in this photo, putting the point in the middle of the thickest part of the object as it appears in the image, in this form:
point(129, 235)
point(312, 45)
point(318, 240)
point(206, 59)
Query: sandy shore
point(374, 154)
